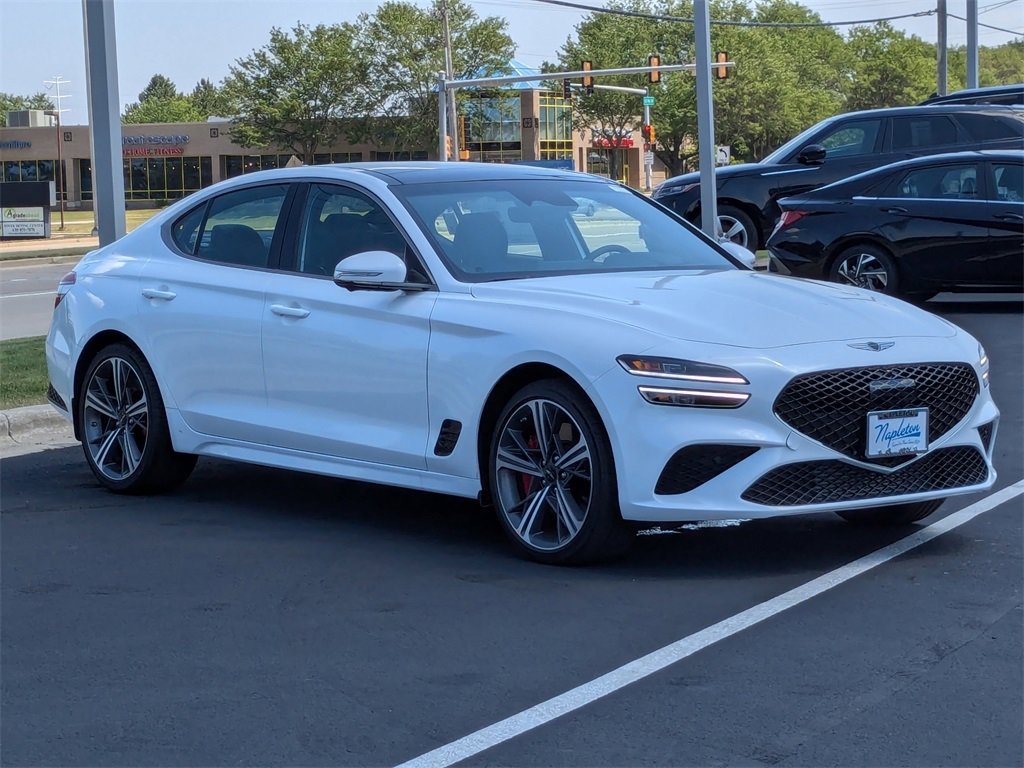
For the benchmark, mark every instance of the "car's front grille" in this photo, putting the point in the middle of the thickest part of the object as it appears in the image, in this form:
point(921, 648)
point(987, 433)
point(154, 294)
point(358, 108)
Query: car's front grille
point(832, 406)
point(694, 465)
point(823, 482)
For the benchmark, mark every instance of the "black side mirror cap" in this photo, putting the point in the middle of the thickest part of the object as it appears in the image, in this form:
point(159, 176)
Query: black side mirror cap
point(812, 154)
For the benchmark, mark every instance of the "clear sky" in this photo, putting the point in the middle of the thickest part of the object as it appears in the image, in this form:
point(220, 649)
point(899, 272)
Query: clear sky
point(191, 39)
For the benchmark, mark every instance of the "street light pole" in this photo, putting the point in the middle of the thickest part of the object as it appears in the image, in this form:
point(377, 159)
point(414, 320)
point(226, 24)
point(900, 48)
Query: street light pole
point(57, 82)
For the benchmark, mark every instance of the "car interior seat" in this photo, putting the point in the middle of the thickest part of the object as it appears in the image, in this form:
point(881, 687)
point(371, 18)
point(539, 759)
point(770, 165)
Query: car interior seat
point(968, 188)
point(237, 244)
point(481, 243)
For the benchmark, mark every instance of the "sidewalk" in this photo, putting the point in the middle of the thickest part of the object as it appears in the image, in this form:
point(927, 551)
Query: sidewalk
point(33, 428)
point(13, 251)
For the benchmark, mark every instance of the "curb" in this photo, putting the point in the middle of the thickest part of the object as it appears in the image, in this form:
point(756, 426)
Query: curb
point(34, 424)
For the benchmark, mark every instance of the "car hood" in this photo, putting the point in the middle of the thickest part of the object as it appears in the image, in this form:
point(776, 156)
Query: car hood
point(735, 308)
point(722, 175)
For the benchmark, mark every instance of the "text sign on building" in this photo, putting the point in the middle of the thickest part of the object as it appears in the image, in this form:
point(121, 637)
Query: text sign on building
point(22, 222)
point(154, 145)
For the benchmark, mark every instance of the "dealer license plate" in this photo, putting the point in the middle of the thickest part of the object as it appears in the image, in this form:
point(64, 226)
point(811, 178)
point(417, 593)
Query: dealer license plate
point(895, 433)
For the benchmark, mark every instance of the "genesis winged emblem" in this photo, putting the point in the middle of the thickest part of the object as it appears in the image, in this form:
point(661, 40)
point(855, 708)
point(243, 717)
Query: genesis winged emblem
point(874, 346)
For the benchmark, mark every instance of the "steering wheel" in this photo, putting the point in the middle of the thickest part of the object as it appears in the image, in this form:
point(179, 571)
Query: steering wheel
point(606, 250)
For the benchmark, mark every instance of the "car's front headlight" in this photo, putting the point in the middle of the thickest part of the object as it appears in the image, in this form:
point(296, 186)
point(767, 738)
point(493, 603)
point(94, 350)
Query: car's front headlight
point(685, 370)
point(983, 364)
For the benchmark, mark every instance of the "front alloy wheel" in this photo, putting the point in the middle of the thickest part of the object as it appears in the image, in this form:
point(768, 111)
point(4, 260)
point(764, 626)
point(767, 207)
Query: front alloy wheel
point(551, 477)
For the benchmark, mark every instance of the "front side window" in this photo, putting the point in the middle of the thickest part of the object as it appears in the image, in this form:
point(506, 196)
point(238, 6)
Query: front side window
point(945, 182)
point(240, 226)
point(1009, 182)
point(502, 230)
point(854, 138)
point(922, 132)
point(339, 222)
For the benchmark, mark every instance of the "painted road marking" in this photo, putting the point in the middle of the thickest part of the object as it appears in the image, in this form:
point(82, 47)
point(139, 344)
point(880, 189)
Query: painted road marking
point(26, 295)
point(578, 697)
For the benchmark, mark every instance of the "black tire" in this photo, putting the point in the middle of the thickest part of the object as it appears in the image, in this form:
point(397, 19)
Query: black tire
point(749, 238)
point(575, 518)
point(123, 426)
point(897, 514)
point(866, 266)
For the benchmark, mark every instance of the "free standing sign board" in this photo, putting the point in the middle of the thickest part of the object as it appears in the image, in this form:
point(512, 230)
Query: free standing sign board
point(23, 221)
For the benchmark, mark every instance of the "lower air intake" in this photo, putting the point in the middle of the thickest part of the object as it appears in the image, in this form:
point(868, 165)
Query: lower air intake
point(694, 465)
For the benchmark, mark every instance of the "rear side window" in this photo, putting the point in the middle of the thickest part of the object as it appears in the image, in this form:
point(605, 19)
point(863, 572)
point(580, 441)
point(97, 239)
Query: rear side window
point(240, 226)
point(921, 132)
point(1009, 182)
point(992, 127)
point(185, 231)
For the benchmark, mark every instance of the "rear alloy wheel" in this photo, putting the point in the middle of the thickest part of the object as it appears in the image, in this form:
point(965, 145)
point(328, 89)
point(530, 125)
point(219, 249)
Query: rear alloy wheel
point(552, 478)
point(897, 514)
point(737, 227)
point(866, 267)
point(123, 426)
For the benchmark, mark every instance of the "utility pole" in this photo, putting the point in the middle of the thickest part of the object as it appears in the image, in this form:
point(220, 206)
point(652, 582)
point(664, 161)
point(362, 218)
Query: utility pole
point(56, 83)
point(449, 72)
point(942, 44)
point(705, 122)
point(647, 152)
point(972, 43)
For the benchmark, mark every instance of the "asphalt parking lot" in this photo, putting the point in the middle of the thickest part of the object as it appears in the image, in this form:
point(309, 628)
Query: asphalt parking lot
point(261, 617)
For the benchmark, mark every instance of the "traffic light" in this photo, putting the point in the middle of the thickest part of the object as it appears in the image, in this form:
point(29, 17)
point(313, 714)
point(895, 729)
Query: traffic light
point(567, 89)
point(588, 81)
point(721, 72)
point(654, 60)
point(648, 133)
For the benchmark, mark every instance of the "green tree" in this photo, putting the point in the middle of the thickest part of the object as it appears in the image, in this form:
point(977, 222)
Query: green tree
point(160, 87)
point(292, 92)
point(997, 65)
point(209, 100)
point(890, 69)
point(10, 102)
point(402, 46)
point(179, 109)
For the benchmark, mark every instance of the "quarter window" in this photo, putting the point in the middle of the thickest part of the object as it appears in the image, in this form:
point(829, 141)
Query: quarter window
point(240, 226)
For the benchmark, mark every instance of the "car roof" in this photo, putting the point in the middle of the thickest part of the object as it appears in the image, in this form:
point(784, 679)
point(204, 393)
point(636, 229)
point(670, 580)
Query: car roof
point(432, 171)
point(988, 90)
point(937, 109)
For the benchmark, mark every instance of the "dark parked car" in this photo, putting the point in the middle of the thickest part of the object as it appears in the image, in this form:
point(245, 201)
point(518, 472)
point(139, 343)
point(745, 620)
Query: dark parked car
point(836, 149)
point(993, 94)
point(940, 223)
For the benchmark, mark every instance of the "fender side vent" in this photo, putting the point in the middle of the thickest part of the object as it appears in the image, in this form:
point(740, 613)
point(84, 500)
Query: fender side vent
point(448, 437)
point(53, 397)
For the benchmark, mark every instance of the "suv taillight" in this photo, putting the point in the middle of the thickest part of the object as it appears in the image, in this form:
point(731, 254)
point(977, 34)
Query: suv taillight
point(63, 287)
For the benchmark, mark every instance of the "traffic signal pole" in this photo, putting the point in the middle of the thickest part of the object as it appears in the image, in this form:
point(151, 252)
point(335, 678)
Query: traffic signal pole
point(705, 122)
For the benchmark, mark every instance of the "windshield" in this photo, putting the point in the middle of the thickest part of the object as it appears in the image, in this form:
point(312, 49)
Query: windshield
point(500, 230)
point(797, 142)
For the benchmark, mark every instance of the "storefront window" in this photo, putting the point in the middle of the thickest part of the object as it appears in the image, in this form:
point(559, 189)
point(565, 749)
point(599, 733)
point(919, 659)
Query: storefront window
point(155, 178)
point(399, 156)
point(492, 127)
point(555, 128)
point(31, 170)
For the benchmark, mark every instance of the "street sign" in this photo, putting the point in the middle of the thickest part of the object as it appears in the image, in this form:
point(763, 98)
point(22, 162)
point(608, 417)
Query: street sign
point(648, 158)
point(723, 154)
point(648, 101)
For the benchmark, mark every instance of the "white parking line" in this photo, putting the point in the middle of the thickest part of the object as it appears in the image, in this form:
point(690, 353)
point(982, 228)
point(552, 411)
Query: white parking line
point(26, 295)
point(563, 704)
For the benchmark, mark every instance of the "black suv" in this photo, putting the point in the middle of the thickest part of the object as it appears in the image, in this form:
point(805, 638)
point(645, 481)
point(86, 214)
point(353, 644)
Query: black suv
point(991, 94)
point(834, 149)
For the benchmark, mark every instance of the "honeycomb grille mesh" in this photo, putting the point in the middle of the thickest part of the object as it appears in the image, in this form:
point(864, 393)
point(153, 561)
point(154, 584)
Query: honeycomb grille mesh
point(694, 465)
point(832, 406)
point(822, 482)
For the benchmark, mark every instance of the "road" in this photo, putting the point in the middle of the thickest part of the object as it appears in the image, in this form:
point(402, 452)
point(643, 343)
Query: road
point(26, 297)
point(262, 617)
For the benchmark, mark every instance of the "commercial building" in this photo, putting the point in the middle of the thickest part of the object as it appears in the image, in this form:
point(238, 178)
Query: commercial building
point(525, 123)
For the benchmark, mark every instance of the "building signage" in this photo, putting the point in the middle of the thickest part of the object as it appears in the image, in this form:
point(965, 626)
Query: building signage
point(153, 151)
point(170, 145)
point(169, 139)
point(23, 222)
point(15, 144)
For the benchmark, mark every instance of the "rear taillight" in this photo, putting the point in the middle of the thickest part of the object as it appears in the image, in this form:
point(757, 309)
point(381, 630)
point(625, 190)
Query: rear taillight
point(63, 287)
point(789, 218)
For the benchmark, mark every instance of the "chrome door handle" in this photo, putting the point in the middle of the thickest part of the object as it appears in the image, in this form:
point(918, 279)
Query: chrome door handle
point(895, 209)
point(155, 293)
point(285, 311)
point(1009, 217)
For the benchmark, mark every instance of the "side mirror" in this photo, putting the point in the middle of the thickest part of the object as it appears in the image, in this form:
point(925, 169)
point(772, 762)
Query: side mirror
point(739, 252)
point(374, 271)
point(812, 154)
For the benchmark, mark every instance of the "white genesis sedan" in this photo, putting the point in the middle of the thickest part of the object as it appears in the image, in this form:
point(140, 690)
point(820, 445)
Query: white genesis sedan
point(552, 343)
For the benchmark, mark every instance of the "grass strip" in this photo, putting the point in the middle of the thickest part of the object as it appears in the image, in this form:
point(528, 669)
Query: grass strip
point(23, 377)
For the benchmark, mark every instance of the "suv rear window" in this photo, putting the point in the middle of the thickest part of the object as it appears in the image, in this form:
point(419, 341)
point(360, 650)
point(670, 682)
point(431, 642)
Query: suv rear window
point(922, 131)
point(983, 127)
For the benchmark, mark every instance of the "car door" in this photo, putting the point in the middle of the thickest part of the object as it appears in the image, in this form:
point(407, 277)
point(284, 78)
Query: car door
point(202, 307)
point(346, 371)
point(1006, 223)
point(936, 221)
point(923, 134)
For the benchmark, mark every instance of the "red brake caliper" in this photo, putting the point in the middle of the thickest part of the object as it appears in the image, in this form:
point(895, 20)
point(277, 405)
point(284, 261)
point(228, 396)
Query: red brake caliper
point(529, 481)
